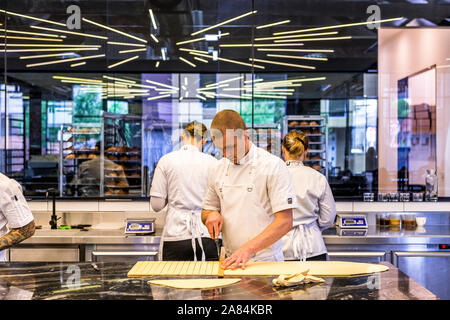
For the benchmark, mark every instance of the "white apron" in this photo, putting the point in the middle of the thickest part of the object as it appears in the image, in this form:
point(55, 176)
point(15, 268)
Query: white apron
point(193, 221)
point(244, 218)
point(303, 241)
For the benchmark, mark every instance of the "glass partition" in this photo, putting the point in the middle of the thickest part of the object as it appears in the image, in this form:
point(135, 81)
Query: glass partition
point(94, 93)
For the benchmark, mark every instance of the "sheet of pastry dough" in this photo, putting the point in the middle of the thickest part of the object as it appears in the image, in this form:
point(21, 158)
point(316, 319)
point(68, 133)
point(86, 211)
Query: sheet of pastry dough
point(316, 268)
point(194, 283)
point(258, 268)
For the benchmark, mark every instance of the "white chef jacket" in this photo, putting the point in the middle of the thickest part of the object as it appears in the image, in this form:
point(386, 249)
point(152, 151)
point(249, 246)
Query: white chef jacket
point(181, 176)
point(272, 184)
point(316, 212)
point(14, 209)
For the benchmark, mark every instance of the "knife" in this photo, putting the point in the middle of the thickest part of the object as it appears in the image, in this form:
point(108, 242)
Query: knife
point(221, 259)
point(216, 240)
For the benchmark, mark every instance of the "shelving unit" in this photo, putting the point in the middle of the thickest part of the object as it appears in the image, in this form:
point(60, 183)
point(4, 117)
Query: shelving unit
point(318, 139)
point(79, 142)
point(16, 157)
point(122, 166)
point(268, 137)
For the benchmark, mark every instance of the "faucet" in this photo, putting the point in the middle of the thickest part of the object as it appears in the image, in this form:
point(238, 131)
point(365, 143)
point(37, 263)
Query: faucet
point(53, 219)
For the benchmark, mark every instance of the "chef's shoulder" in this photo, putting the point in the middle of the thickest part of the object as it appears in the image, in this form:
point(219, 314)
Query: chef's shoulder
point(315, 175)
point(4, 182)
point(9, 187)
point(269, 161)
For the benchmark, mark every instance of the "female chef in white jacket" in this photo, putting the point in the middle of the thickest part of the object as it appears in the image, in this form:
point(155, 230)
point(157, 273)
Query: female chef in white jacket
point(316, 210)
point(180, 181)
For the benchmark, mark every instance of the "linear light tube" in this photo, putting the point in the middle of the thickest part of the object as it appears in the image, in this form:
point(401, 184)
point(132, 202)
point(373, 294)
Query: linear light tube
point(296, 50)
point(46, 55)
point(152, 18)
point(222, 23)
point(44, 50)
point(162, 84)
point(126, 44)
point(200, 59)
point(312, 39)
point(64, 60)
point(114, 30)
point(78, 64)
point(297, 36)
point(234, 45)
point(119, 79)
point(121, 62)
point(31, 38)
point(189, 41)
point(273, 24)
point(32, 33)
point(296, 57)
point(229, 60)
point(283, 63)
point(70, 32)
point(32, 18)
point(188, 62)
point(160, 97)
point(133, 50)
point(154, 38)
point(338, 26)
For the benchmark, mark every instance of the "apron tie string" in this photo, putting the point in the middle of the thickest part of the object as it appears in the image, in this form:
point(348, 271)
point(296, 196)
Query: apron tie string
point(196, 232)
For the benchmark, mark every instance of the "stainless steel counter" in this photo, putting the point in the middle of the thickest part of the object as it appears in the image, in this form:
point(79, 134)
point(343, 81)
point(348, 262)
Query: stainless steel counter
point(76, 236)
point(427, 235)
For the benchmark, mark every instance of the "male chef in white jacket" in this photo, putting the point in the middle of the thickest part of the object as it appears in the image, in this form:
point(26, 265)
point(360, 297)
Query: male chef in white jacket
point(14, 211)
point(249, 197)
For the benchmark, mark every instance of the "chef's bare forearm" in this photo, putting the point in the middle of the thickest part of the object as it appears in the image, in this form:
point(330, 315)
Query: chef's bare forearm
point(17, 235)
point(281, 225)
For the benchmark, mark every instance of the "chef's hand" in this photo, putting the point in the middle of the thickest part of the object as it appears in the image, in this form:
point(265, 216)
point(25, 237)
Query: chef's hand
point(213, 221)
point(240, 256)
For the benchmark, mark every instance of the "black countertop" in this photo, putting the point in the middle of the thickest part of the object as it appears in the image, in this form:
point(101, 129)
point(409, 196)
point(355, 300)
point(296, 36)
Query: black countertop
point(74, 281)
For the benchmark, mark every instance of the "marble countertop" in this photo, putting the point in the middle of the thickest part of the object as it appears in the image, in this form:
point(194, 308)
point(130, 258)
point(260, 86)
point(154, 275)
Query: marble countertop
point(74, 281)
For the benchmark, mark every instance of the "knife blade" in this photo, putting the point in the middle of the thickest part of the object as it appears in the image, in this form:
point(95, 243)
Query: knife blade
point(221, 259)
point(216, 240)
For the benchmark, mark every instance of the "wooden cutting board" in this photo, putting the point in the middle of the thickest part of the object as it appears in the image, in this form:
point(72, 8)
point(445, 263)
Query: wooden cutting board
point(257, 268)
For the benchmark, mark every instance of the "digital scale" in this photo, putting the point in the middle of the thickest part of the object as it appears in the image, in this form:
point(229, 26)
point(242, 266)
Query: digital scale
point(351, 221)
point(139, 226)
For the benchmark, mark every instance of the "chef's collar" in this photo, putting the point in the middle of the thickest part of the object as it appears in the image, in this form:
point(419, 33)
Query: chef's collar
point(249, 156)
point(189, 147)
point(297, 162)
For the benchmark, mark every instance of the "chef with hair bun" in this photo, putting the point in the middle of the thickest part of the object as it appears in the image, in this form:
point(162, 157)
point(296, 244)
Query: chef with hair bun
point(316, 210)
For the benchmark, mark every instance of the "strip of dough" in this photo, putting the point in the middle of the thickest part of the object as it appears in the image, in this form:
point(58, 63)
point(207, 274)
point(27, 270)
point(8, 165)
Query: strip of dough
point(195, 283)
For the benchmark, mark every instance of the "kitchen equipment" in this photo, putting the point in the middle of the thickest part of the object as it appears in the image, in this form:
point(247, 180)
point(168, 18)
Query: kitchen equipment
point(421, 221)
point(216, 240)
point(368, 196)
point(431, 185)
point(253, 268)
point(393, 196)
point(382, 219)
point(352, 232)
point(394, 220)
point(409, 221)
point(351, 221)
point(404, 196)
point(384, 197)
point(139, 226)
point(417, 197)
point(221, 259)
